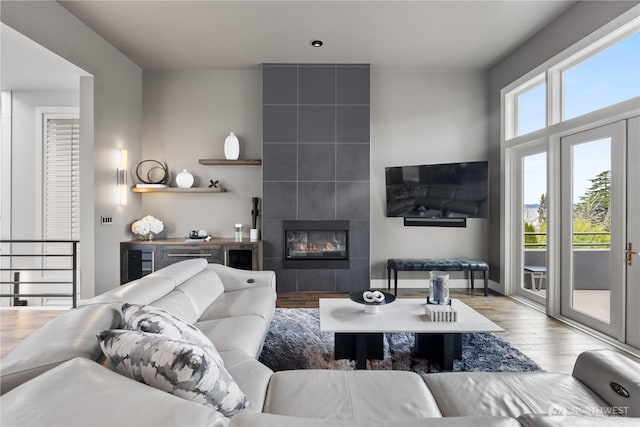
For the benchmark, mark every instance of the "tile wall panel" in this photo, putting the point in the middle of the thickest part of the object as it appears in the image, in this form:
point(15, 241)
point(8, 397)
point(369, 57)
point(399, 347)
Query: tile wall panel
point(316, 164)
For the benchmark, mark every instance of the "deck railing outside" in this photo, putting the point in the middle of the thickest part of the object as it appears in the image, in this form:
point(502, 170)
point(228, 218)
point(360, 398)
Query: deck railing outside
point(578, 242)
point(43, 255)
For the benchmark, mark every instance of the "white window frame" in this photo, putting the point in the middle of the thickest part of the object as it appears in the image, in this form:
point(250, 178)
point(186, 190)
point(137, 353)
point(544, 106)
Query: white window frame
point(616, 30)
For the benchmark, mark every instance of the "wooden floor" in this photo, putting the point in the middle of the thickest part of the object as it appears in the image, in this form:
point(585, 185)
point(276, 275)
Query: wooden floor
point(552, 344)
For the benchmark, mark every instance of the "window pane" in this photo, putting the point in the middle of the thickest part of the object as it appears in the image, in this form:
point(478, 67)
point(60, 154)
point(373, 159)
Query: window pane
point(606, 78)
point(534, 221)
point(532, 111)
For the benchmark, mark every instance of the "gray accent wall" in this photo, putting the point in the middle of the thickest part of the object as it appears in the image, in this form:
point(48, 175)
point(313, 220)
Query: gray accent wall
point(316, 156)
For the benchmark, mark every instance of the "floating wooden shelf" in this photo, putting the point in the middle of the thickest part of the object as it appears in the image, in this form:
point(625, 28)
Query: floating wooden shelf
point(222, 162)
point(179, 190)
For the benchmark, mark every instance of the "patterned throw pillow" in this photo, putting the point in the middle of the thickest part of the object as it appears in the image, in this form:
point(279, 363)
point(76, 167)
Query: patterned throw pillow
point(153, 320)
point(177, 367)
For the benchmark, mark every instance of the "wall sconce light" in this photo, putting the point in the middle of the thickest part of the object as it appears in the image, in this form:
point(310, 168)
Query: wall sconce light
point(121, 177)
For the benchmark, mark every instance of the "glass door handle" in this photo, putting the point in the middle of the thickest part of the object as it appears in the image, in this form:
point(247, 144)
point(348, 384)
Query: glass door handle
point(628, 252)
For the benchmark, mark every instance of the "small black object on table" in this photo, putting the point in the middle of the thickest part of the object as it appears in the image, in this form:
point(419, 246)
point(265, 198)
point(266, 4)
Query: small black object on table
point(427, 264)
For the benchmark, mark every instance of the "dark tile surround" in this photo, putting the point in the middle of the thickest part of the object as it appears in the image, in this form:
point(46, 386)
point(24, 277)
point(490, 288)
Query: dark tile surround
point(316, 164)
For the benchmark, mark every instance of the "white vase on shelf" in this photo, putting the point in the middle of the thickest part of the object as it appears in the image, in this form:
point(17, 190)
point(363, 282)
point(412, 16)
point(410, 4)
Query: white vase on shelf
point(184, 179)
point(231, 147)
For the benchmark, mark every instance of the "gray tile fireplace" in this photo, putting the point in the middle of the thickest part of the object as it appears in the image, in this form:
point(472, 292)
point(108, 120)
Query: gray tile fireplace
point(316, 168)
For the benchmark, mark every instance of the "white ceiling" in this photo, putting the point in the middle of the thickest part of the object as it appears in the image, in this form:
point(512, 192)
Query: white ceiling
point(26, 65)
point(431, 35)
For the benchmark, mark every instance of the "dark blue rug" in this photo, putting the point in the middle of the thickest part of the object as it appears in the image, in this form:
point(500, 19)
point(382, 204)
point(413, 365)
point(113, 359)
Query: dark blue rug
point(294, 341)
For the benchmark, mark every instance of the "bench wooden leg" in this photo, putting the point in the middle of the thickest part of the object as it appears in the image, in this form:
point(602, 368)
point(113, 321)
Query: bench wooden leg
point(471, 277)
point(395, 282)
point(485, 275)
point(388, 278)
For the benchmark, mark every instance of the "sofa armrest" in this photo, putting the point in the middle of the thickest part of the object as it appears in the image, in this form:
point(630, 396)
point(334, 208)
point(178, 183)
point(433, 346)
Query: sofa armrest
point(235, 279)
point(603, 371)
point(81, 392)
point(271, 420)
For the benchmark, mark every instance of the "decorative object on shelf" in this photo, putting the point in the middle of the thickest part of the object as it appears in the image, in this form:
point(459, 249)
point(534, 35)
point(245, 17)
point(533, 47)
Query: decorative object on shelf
point(184, 179)
point(213, 184)
point(441, 313)
point(198, 235)
point(438, 288)
point(147, 227)
point(231, 147)
point(372, 299)
point(157, 173)
point(255, 212)
point(238, 228)
point(151, 185)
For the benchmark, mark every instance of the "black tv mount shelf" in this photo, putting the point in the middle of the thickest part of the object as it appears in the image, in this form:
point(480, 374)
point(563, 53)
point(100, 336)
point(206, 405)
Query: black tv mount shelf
point(434, 222)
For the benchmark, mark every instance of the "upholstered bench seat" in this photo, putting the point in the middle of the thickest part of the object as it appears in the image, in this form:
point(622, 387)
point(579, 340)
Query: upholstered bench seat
point(428, 264)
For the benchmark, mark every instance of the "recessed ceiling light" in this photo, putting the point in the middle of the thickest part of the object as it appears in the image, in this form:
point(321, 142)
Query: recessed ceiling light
point(316, 43)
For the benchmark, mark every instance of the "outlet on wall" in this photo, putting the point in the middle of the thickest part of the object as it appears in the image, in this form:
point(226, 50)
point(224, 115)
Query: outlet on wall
point(106, 220)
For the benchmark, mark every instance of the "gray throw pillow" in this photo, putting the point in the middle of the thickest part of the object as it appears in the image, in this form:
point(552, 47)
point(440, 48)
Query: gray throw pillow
point(177, 367)
point(153, 320)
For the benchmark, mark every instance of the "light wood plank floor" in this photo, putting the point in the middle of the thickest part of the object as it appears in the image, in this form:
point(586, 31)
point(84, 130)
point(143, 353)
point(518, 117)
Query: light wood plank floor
point(552, 344)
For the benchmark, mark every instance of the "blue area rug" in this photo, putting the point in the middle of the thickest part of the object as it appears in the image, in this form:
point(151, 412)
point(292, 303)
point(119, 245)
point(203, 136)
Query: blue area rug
point(294, 341)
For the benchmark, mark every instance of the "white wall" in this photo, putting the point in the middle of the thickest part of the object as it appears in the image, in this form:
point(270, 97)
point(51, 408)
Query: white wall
point(187, 116)
point(110, 119)
point(569, 28)
point(422, 118)
point(26, 222)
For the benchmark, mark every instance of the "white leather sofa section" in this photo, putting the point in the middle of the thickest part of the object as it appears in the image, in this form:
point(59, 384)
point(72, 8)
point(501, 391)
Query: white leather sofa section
point(64, 338)
point(350, 395)
point(508, 394)
point(81, 392)
point(269, 420)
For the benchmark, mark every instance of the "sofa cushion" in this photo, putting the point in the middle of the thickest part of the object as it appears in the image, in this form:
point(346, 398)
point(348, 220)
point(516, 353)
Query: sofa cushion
point(70, 335)
point(94, 395)
point(350, 395)
point(258, 301)
point(252, 377)
point(508, 394)
point(157, 321)
point(178, 304)
point(177, 367)
point(140, 291)
point(202, 289)
point(180, 272)
point(243, 333)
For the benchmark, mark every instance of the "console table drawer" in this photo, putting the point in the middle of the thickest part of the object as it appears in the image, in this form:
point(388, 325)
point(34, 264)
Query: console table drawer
point(171, 253)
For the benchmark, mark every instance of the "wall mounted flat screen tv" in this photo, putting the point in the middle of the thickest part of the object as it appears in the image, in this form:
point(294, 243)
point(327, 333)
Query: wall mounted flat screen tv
point(450, 190)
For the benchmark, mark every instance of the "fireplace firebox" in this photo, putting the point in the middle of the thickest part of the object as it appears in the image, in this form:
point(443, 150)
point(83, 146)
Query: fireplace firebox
point(316, 244)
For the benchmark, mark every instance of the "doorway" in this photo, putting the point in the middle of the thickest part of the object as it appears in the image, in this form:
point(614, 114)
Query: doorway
point(599, 211)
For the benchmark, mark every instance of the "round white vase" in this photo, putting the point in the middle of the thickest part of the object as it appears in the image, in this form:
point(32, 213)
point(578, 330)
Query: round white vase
point(184, 179)
point(231, 147)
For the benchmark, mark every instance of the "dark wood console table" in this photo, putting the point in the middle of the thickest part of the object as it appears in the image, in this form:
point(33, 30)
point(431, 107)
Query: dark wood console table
point(139, 258)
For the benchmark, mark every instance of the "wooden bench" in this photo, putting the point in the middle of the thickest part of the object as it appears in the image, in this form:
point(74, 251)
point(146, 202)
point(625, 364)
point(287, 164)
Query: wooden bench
point(427, 264)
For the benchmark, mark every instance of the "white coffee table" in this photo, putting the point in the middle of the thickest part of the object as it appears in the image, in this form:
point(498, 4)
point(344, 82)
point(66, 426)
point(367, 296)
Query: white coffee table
point(360, 335)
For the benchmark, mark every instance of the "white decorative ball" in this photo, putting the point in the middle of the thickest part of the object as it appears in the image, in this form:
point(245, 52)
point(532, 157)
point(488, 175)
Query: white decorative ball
point(184, 179)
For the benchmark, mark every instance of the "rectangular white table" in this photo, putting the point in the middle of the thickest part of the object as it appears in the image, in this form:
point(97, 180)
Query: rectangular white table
point(360, 335)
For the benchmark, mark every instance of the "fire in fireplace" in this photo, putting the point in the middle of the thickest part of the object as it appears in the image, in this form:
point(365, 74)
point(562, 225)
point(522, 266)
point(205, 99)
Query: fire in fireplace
point(316, 244)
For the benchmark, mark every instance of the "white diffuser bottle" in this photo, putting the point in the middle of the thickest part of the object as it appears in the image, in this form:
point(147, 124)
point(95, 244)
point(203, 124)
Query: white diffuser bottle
point(231, 147)
point(184, 179)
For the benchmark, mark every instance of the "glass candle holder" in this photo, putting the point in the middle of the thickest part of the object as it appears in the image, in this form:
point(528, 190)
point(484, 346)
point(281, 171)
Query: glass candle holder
point(439, 287)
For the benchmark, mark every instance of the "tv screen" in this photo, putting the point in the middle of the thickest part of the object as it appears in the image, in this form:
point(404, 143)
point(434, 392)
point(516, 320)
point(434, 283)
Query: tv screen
point(449, 190)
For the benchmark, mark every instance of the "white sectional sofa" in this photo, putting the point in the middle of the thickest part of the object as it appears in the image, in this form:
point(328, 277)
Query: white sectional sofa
point(58, 377)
